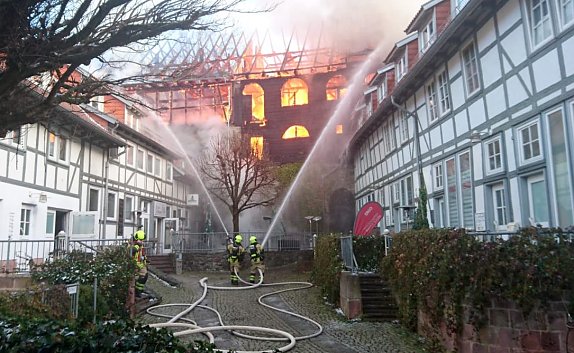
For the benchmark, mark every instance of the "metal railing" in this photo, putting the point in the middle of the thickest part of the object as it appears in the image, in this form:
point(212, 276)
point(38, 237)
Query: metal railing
point(216, 242)
point(347, 254)
point(20, 256)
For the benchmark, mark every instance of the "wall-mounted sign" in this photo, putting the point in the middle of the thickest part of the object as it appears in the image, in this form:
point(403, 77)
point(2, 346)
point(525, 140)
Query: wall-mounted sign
point(192, 199)
point(480, 222)
point(367, 219)
point(159, 209)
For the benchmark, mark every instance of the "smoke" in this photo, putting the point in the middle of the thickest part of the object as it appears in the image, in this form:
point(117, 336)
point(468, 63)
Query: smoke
point(348, 25)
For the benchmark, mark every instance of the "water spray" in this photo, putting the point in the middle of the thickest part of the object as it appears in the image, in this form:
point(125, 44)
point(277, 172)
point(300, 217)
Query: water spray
point(372, 60)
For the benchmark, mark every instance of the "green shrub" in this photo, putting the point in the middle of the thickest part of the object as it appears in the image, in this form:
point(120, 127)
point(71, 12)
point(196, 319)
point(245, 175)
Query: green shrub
point(41, 335)
point(368, 252)
point(113, 269)
point(439, 271)
point(327, 266)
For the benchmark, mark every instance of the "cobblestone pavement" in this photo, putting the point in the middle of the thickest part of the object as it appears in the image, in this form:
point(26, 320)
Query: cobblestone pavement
point(240, 307)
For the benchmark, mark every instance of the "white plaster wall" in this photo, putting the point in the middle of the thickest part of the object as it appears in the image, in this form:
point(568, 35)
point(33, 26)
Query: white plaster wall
point(514, 46)
point(568, 51)
point(508, 15)
point(515, 198)
point(457, 91)
point(454, 66)
point(516, 92)
point(15, 165)
point(31, 168)
point(543, 77)
point(509, 151)
point(476, 113)
point(495, 102)
point(490, 65)
point(486, 35)
point(461, 123)
point(447, 129)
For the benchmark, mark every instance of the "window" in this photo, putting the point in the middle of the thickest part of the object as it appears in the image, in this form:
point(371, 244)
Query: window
point(566, 12)
point(438, 177)
point(294, 132)
point(111, 211)
point(452, 193)
point(537, 200)
point(62, 149)
point(396, 192)
point(169, 171)
point(444, 96)
point(402, 66)
point(432, 101)
point(560, 171)
point(93, 199)
point(339, 129)
point(540, 21)
point(51, 145)
point(529, 139)
point(130, 155)
point(84, 224)
point(440, 214)
point(140, 159)
point(382, 89)
point(257, 100)
point(336, 87)
point(460, 4)
point(50, 229)
point(128, 208)
point(132, 120)
point(470, 64)
point(97, 102)
point(257, 146)
point(466, 190)
point(407, 199)
point(499, 206)
point(427, 36)
point(294, 92)
point(493, 155)
point(149, 163)
point(157, 167)
point(404, 127)
point(25, 220)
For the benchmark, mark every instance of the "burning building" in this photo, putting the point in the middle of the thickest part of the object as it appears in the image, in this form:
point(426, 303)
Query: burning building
point(281, 98)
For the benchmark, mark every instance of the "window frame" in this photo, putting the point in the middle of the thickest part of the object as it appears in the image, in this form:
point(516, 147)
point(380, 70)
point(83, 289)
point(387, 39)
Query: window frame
point(499, 187)
point(529, 17)
point(443, 91)
point(487, 156)
point(404, 127)
point(169, 171)
point(141, 168)
point(129, 214)
point(563, 24)
point(89, 199)
point(432, 101)
point(523, 161)
point(114, 215)
point(474, 64)
point(130, 154)
point(26, 221)
point(430, 26)
point(437, 177)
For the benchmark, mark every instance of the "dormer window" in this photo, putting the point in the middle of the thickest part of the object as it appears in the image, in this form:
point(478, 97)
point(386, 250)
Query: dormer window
point(382, 90)
point(427, 35)
point(402, 67)
point(131, 119)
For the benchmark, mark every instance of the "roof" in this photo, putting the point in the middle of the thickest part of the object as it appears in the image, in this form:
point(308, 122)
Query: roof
point(399, 45)
point(420, 16)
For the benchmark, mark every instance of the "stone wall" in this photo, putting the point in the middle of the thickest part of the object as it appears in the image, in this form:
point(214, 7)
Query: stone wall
point(273, 259)
point(509, 331)
point(350, 295)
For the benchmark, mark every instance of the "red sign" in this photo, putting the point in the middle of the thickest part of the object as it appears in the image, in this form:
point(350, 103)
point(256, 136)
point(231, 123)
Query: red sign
point(367, 219)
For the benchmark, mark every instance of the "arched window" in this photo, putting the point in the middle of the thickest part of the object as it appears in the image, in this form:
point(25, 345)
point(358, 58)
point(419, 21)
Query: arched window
point(336, 87)
point(294, 92)
point(295, 132)
point(257, 100)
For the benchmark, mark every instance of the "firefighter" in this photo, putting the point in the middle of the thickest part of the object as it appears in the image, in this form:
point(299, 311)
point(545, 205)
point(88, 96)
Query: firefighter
point(138, 254)
point(235, 253)
point(256, 253)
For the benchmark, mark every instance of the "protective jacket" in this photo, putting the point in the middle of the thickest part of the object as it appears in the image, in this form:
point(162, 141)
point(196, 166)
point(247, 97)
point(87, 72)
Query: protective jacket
point(256, 252)
point(235, 252)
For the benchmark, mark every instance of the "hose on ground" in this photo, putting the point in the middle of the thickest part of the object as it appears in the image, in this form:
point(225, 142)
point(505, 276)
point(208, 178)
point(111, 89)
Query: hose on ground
point(190, 327)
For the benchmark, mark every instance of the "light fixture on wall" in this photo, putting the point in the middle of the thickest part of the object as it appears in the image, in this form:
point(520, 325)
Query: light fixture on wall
point(42, 196)
point(477, 136)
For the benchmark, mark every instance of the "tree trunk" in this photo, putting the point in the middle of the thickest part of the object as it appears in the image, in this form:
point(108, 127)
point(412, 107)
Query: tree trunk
point(235, 222)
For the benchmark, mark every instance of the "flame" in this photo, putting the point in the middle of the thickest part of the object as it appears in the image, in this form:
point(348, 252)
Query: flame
point(257, 146)
point(294, 92)
point(257, 100)
point(336, 87)
point(295, 131)
point(339, 129)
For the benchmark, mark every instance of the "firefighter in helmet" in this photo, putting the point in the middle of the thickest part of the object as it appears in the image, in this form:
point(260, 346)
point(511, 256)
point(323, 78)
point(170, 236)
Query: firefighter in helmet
point(235, 253)
point(137, 252)
point(256, 253)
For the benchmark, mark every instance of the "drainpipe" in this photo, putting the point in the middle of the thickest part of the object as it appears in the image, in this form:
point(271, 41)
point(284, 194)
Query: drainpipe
point(106, 181)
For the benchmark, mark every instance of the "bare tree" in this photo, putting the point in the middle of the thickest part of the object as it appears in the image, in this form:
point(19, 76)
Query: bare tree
point(44, 42)
point(238, 175)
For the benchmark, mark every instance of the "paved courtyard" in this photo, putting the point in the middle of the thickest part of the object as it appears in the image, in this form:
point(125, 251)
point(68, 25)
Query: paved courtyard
point(240, 307)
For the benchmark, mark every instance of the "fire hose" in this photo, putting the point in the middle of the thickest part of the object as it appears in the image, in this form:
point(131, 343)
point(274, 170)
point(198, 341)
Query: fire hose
point(190, 327)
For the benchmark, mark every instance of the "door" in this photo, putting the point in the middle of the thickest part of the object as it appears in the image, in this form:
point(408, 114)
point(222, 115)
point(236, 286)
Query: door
point(538, 200)
point(169, 233)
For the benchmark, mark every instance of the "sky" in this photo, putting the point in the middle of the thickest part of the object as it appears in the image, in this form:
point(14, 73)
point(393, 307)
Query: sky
point(351, 24)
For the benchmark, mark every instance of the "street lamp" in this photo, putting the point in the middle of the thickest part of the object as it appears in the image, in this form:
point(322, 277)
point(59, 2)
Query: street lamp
point(310, 219)
point(316, 219)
